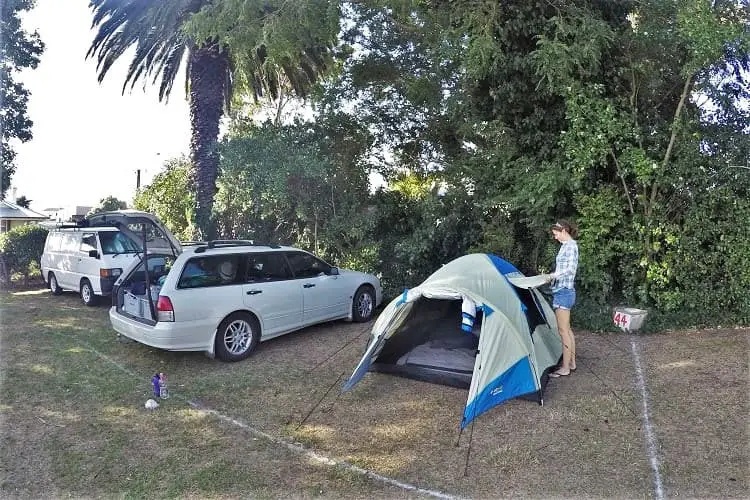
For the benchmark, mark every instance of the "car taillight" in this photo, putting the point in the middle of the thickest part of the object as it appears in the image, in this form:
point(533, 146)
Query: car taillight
point(110, 273)
point(164, 309)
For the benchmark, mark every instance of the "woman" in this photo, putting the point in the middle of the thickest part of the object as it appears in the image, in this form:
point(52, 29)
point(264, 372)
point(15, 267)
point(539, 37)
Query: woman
point(564, 292)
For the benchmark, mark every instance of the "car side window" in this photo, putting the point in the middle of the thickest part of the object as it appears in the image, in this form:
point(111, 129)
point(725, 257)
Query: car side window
point(262, 267)
point(88, 242)
point(210, 270)
point(305, 265)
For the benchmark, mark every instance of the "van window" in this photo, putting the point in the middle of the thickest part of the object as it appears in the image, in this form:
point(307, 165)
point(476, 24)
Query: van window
point(69, 242)
point(114, 242)
point(54, 242)
point(214, 270)
point(88, 242)
point(263, 267)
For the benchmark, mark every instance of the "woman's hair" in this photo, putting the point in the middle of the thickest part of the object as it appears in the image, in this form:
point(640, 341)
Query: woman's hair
point(571, 228)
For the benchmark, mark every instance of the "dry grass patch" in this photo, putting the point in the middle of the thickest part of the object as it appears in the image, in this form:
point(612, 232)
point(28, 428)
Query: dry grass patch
point(75, 394)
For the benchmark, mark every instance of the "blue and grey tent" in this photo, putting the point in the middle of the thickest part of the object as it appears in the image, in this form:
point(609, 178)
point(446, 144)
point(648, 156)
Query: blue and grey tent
point(476, 323)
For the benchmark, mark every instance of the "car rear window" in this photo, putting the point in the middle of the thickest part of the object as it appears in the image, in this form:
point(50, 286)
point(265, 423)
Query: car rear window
point(211, 270)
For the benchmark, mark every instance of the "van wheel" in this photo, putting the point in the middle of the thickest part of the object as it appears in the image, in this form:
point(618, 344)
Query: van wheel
point(237, 337)
point(363, 305)
point(87, 293)
point(54, 285)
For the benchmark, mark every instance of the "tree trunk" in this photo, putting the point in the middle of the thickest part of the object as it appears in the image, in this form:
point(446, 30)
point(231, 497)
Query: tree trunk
point(208, 81)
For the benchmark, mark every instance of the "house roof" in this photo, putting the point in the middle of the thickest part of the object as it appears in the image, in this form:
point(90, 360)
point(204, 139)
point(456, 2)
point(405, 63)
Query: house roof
point(11, 211)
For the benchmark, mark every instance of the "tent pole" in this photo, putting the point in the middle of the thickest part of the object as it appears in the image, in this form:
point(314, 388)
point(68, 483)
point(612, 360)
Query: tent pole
point(468, 450)
point(460, 431)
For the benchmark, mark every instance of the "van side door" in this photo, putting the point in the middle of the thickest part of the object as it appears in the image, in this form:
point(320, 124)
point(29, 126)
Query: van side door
point(67, 260)
point(50, 261)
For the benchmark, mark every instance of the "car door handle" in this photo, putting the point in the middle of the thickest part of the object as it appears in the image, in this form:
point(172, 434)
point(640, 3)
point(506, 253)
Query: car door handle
point(254, 292)
point(308, 285)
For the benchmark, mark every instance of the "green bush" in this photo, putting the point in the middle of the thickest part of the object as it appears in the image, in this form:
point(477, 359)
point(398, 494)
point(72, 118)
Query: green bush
point(22, 249)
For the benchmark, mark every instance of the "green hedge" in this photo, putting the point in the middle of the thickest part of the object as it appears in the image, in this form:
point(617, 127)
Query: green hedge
point(22, 249)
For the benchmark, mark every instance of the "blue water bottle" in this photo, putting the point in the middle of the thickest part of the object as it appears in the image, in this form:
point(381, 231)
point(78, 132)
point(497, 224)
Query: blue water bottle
point(156, 382)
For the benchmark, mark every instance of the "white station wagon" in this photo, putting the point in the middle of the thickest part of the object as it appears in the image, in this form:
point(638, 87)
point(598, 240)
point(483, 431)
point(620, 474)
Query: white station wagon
point(223, 297)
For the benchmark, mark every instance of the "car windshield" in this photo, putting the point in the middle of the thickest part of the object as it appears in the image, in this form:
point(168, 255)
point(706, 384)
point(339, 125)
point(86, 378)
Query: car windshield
point(114, 242)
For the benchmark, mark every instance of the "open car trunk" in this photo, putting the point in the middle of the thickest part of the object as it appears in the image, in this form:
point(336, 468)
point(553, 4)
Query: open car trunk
point(136, 293)
point(131, 294)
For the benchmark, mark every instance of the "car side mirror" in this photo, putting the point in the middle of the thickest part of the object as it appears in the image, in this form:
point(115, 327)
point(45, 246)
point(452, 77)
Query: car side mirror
point(334, 271)
point(94, 254)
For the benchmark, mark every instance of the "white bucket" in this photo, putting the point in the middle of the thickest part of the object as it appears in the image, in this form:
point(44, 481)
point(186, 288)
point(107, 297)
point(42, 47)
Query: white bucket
point(629, 319)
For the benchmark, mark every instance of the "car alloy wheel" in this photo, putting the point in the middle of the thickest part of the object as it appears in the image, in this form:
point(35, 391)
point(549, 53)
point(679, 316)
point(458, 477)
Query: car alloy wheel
point(238, 337)
point(364, 304)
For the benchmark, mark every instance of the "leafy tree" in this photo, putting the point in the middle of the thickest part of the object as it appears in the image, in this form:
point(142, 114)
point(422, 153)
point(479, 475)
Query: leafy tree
point(267, 39)
point(169, 197)
point(108, 204)
point(21, 249)
point(22, 201)
point(18, 50)
point(589, 110)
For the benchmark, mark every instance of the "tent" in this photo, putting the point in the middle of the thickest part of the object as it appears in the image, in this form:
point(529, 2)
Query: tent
point(476, 323)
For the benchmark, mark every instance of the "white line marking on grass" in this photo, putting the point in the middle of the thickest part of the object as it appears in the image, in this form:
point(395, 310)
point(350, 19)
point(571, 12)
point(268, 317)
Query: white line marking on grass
point(653, 456)
point(323, 459)
point(289, 445)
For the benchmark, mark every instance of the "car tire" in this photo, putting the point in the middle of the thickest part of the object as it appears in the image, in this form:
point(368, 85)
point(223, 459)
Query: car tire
point(237, 336)
point(87, 293)
point(363, 305)
point(53, 284)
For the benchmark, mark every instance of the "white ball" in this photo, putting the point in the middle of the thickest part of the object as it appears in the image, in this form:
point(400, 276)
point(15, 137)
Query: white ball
point(151, 404)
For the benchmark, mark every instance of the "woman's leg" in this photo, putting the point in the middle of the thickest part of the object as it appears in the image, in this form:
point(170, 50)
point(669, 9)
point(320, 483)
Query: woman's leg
point(572, 345)
point(563, 327)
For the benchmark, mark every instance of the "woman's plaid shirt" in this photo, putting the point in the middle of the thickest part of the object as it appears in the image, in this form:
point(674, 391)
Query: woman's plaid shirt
point(566, 265)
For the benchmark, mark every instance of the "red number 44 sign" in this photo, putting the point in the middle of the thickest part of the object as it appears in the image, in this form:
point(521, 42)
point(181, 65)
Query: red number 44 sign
point(622, 320)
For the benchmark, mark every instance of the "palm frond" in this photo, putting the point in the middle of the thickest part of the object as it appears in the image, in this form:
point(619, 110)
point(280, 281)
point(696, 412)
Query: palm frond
point(153, 28)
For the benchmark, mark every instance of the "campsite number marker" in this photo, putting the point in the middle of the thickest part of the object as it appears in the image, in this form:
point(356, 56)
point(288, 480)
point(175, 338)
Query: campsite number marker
point(622, 320)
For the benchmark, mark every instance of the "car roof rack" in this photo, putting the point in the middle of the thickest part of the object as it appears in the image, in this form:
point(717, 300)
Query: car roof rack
point(231, 243)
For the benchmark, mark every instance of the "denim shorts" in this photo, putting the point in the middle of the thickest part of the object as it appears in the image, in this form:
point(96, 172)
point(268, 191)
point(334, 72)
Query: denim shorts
point(563, 298)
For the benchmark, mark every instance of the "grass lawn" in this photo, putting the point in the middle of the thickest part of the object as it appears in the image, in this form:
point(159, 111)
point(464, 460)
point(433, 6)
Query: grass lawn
point(275, 425)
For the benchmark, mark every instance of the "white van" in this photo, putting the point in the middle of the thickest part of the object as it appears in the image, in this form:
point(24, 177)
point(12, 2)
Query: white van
point(89, 257)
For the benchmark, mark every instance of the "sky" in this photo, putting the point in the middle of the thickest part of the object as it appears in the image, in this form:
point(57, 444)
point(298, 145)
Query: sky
point(89, 139)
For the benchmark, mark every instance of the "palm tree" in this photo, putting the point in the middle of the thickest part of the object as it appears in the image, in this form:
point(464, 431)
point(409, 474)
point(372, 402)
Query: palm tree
point(155, 28)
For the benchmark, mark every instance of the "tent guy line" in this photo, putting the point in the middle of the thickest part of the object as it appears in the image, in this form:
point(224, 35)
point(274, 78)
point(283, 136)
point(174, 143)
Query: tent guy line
point(276, 440)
